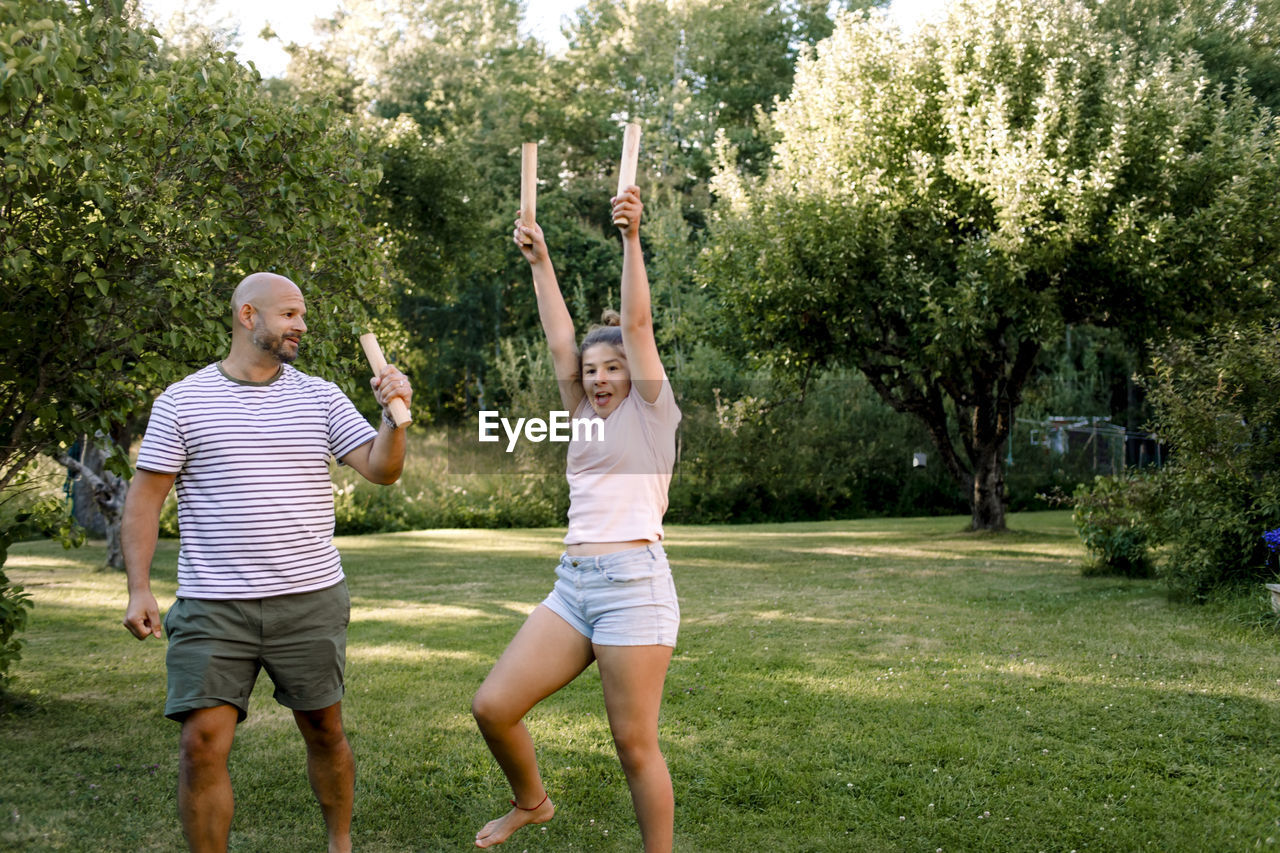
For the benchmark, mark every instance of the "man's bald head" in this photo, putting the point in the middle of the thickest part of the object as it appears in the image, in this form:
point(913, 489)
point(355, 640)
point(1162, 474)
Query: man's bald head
point(267, 318)
point(261, 288)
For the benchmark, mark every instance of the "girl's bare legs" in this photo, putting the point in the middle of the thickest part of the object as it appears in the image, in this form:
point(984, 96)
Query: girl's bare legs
point(545, 655)
point(633, 679)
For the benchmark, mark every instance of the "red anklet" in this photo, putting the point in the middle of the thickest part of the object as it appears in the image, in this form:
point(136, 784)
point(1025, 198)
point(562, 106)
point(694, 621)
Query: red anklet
point(545, 797)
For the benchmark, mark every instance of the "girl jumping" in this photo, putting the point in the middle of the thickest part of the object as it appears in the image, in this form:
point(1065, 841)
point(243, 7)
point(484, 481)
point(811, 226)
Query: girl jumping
point(614, 601)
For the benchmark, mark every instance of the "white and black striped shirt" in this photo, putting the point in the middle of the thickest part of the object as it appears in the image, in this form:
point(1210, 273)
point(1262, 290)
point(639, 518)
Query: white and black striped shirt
point(255, 502)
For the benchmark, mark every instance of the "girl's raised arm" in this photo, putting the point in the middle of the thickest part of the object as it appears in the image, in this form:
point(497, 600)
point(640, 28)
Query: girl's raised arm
point(643, 360)
point(557, 324)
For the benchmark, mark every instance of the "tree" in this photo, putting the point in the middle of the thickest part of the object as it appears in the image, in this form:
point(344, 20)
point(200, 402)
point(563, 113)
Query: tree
point(941, 204)
point(683, 69)
point(138, 189)
point(446, 92)
point(458, 89)
point(1232, 36)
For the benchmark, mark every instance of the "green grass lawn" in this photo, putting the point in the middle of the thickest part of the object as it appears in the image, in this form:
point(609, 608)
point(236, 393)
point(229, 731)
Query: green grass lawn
point(859, 685)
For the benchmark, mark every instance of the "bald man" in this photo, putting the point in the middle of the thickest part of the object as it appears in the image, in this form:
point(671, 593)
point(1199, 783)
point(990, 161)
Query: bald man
point(247, 442)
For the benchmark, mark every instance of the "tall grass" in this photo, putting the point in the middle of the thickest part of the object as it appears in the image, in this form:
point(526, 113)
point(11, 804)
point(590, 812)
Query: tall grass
point(838, 686)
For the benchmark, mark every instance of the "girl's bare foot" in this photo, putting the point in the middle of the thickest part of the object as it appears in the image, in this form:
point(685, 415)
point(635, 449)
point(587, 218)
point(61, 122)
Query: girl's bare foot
point(497, 831)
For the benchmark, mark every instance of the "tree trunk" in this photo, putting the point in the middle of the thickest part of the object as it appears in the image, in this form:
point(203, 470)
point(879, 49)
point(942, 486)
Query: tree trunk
point(108, 494)
point(84, 505)
point(990, 422)
point(984, 399)
point(987, 499)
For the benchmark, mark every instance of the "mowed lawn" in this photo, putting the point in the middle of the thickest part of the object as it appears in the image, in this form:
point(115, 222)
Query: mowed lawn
point(870, 685)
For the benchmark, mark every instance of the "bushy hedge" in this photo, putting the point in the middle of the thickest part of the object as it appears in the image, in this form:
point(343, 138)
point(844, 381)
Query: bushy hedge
point(32, 507)
point(748, 452)
point(1217, 404)
point(751, 453)
point(474, 501)
point(1112, 518)
point(14, 604)
point(1217, 409)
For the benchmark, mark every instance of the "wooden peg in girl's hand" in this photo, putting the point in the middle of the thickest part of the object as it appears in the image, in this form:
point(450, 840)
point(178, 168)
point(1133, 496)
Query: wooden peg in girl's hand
point(627, 169)
point(528, 187)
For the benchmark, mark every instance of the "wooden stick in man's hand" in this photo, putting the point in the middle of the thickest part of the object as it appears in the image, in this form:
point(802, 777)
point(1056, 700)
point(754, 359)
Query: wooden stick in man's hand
point(399, 411)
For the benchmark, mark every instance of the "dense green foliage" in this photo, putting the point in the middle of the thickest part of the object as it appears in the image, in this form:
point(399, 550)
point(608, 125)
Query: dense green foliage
point(1110, 520)
point(941, 205)
point(1233, 37)
point(14, 604)
point(1217, 404)
point(1200, 520)
point(138, 189)
point(742, 459)
point(29, 509)
point(458, 89)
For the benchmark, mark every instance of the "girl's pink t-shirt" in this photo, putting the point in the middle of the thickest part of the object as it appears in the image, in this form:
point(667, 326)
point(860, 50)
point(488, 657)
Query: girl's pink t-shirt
point(618, 486)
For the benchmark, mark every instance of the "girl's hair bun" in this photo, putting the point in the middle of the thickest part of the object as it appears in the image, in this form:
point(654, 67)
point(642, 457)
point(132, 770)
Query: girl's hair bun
point(607, 331)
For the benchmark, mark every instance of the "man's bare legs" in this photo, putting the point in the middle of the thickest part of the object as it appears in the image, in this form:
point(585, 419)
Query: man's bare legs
point(633, 679)
point(331, 768)
point(205, 802)
point(545, 655)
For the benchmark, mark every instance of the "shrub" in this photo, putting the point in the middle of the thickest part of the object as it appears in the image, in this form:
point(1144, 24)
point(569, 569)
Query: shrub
point(32, 507)
point(1109, 518)
point(376, 509)
point(169, 517)
point(14, 604)
point(751, 451)
point(1217, 404)
point(460, 501)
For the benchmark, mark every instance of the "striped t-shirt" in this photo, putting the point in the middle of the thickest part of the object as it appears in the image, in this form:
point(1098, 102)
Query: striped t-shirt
point(255, 502)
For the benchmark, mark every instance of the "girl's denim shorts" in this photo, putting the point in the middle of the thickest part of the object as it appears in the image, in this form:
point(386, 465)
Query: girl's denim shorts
point(626, 598)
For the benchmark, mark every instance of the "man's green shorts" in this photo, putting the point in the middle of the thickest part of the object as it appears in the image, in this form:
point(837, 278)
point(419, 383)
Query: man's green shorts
point(216, 649)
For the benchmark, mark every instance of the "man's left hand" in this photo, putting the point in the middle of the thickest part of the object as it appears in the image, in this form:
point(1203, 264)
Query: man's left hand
point(389, 384)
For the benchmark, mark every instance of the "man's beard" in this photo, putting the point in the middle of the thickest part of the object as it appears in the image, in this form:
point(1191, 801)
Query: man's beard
point(274, 345)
